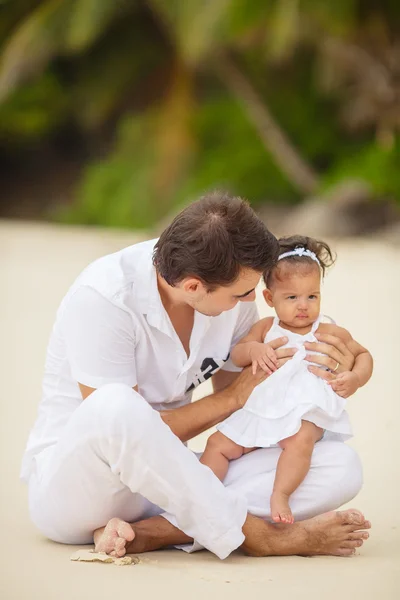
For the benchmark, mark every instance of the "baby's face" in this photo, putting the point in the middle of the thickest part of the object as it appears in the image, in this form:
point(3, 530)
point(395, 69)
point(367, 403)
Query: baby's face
point(297, 299)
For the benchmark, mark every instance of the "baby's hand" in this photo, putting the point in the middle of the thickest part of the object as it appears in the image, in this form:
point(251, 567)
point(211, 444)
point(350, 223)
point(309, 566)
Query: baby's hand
point(345, 384)
point(262, 355)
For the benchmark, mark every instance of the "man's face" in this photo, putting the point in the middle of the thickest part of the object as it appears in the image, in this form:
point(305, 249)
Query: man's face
point(223, 298)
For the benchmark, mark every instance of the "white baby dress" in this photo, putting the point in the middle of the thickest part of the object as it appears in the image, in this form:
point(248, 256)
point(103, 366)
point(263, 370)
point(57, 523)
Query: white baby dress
point(276, 407)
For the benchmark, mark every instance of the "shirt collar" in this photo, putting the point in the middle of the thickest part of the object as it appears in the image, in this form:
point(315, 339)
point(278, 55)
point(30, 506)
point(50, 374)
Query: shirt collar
point(149, 301)
point(145, 280)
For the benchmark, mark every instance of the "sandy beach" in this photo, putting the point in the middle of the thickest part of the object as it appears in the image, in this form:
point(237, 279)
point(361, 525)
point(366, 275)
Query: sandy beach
point(37, 264)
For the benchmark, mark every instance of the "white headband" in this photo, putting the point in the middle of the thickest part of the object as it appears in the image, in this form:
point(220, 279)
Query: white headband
point(300, 252)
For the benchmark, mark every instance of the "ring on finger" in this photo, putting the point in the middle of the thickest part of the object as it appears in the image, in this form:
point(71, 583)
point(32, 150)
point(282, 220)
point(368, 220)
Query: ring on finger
point(336, 368)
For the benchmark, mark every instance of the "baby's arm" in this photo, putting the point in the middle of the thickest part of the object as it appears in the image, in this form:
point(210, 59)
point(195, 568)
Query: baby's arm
point(252, 350)
point(347, 383)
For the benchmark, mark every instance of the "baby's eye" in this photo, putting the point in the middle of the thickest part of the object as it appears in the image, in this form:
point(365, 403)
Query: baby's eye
point(291, 297)
point(312, 297)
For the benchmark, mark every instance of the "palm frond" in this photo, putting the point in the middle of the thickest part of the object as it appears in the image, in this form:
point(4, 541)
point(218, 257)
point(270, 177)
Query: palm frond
point(32, 44)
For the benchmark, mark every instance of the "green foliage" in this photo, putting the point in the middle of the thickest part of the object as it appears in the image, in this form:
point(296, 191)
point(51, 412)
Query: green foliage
point(377, 165)
point(121, 190)
point(117, 191)
point(32, 111)
point(232, 155)
point(152, 71)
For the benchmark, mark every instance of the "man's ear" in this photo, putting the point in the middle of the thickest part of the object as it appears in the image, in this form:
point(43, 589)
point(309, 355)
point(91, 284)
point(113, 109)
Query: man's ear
point(192, 285)
point(268, 297)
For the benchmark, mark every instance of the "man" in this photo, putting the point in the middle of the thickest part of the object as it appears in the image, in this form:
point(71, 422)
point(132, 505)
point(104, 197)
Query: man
point(135, 334)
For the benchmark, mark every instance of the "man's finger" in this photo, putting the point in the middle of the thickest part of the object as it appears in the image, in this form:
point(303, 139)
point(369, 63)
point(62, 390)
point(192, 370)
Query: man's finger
point(254, 367)
point(327, 375)
point(285, 353)
point(332, 340)
point(282, 361)
point(324, 361)
point(278, 342)
point(324, 349)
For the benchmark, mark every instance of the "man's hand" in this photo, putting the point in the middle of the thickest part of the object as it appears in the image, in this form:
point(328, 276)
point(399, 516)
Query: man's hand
point(242, 387)
point(282, 354)
point(345, 384)
point(263, 356)
point(336, 356)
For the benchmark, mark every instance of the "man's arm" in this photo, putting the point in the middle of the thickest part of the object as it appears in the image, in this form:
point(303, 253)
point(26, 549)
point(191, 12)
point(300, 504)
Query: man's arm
point(221, 379)
point(188, 421)
point(233, 392)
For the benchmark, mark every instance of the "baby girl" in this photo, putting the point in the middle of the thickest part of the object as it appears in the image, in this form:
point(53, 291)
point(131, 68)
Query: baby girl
point(292, 408)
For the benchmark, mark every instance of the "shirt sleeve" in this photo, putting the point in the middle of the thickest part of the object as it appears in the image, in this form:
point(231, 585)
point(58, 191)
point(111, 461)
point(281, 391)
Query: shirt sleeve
point(100, 340)
point(248, 315)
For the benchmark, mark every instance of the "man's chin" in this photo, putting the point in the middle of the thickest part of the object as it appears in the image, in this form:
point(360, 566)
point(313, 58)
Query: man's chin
point(207, 314)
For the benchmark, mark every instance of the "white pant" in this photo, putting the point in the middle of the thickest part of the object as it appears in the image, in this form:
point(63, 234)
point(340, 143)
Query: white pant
point(117, 458)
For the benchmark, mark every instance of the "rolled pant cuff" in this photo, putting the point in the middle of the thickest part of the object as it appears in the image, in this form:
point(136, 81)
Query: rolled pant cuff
point(221, 546)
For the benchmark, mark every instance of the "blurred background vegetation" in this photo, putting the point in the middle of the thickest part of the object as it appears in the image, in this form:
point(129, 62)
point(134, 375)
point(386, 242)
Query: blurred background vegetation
point(116, 112)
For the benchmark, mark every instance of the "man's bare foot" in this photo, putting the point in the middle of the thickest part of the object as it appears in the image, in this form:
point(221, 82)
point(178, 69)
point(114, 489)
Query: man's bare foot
point(112, 538)
point(336, 533)
point(280, 509)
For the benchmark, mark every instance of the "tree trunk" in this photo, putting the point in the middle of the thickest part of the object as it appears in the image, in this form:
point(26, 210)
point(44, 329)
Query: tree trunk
point(297, 170)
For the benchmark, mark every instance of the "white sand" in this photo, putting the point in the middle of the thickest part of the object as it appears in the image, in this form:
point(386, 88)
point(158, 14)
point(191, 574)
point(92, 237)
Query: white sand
point(37, 264)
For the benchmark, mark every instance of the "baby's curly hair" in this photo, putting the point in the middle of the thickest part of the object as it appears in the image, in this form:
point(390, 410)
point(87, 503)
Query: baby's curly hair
point(287, 265)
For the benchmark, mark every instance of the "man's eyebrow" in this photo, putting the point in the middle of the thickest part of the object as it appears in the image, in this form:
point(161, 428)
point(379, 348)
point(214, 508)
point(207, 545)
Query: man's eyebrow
point(245, 294)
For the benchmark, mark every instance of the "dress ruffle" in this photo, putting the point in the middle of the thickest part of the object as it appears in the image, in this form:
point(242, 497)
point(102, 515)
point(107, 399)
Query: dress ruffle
point(277, 406)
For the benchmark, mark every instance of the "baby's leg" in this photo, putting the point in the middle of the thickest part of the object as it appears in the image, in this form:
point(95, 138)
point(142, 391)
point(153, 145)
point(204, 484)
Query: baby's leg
point(219, 451)
point(293, 466)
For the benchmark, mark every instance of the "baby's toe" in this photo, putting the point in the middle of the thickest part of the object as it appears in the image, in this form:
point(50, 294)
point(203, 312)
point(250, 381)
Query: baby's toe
point(120, 547)
point(125, 531)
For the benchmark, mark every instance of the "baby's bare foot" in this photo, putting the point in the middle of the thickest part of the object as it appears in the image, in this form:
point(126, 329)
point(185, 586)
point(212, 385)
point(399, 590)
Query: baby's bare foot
point(280, 509)
point(112, 538)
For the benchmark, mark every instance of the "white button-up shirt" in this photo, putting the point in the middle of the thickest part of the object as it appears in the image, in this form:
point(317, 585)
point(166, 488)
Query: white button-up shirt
point(112, 327)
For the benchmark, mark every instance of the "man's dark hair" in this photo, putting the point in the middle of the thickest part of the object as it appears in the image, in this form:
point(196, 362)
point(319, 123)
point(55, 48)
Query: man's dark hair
point(213, 239)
